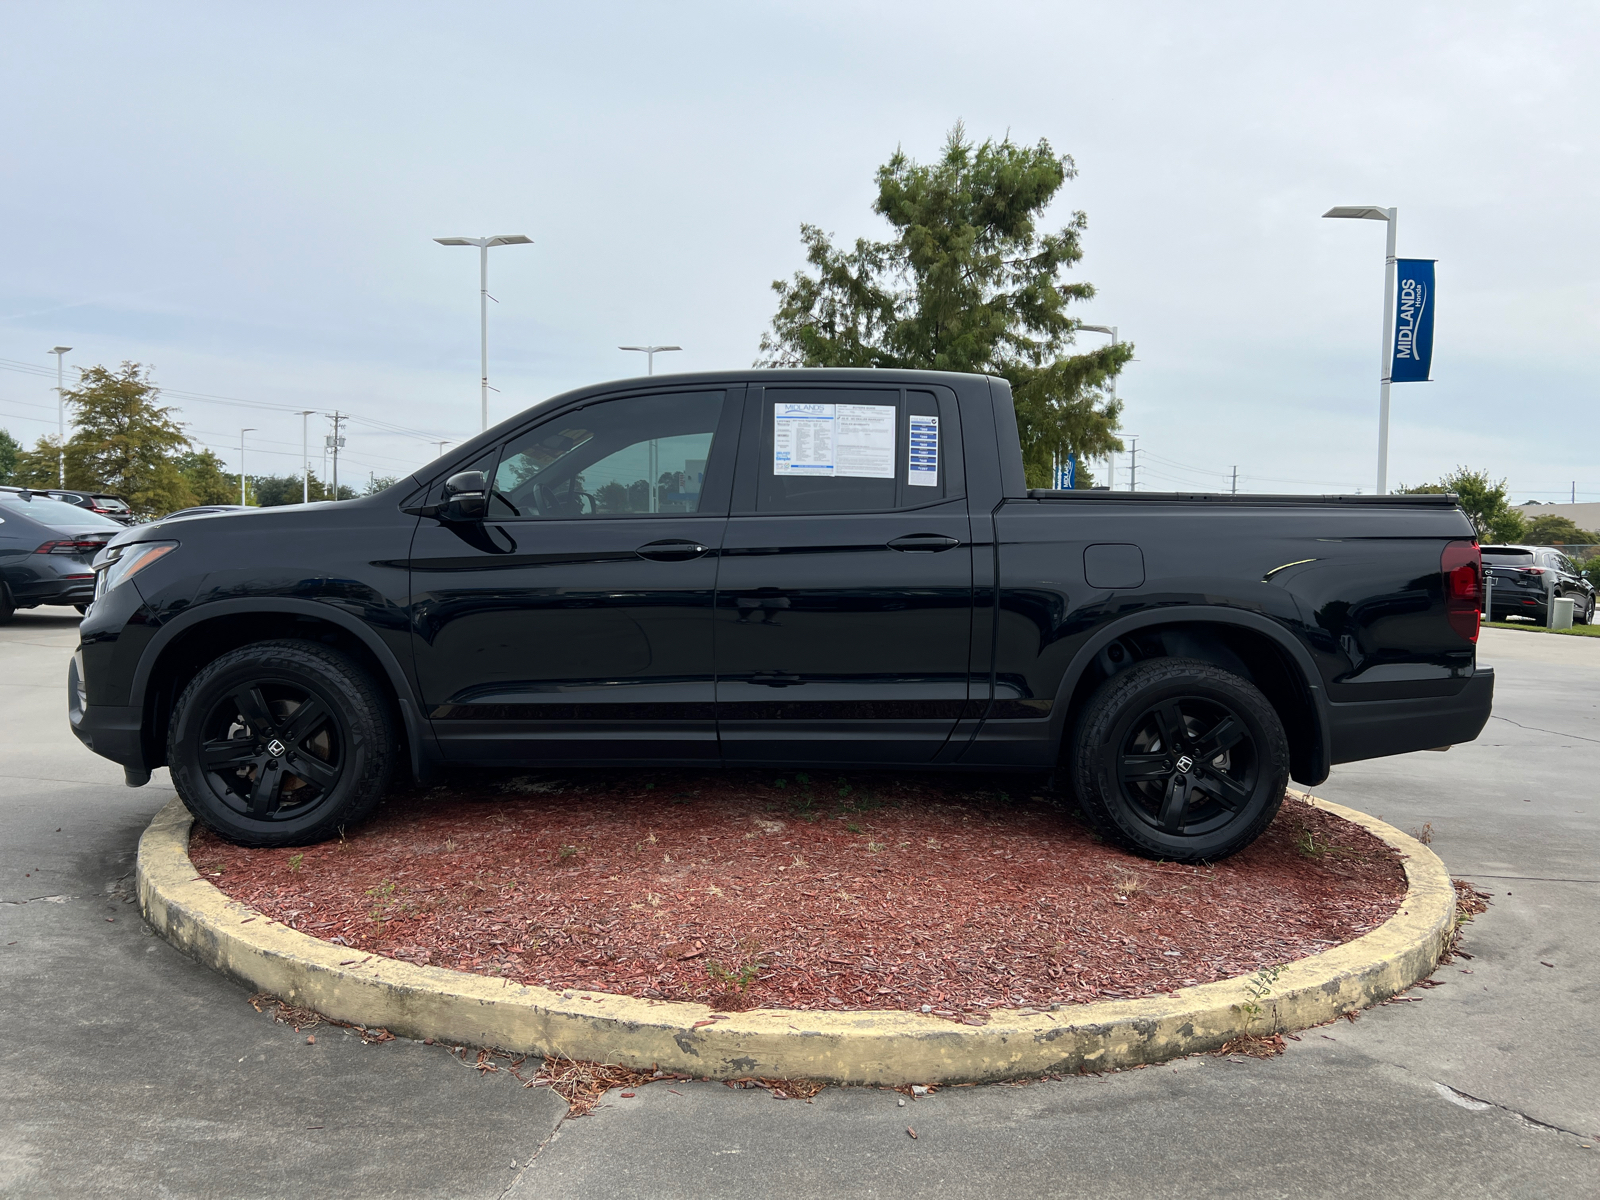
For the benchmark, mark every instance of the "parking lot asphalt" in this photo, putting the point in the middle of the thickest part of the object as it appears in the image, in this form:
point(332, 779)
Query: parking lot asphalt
point(128, 1070)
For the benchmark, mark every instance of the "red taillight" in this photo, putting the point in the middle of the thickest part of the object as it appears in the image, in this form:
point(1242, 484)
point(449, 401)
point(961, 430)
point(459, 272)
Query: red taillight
point(1531, 570)
point(70, 547)
point(1462, 567)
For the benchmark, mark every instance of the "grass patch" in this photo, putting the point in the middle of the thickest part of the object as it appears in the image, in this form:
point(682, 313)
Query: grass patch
point(1530, 627)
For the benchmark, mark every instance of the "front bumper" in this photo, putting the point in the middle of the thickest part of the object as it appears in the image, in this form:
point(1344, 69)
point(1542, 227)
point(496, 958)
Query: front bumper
point(1377, 728)
point(110, 731)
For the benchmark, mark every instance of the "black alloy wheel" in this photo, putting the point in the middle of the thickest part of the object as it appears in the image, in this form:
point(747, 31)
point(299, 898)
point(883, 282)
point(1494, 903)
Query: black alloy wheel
point(280, 743)
point(1179, 759)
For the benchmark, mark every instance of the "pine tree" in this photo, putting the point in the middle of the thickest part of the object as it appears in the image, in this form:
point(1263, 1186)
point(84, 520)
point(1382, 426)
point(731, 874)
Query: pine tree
point(968, 283)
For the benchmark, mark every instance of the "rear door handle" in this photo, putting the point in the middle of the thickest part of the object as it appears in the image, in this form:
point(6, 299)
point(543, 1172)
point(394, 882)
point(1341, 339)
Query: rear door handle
point(928, 543)
point(776, 678)
point(671, 550)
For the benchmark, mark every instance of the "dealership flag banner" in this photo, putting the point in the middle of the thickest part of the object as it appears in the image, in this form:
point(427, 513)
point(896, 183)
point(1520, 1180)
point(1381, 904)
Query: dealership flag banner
point(1413, 321)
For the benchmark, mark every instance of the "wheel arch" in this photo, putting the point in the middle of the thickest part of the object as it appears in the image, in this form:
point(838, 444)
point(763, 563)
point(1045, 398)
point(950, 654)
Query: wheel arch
point(190, 640)
point(1245, 643)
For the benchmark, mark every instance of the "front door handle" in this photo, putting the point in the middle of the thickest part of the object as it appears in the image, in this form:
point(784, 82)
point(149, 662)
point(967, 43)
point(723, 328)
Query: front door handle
point(928, 543)
point(776, 678)
point(671, 550)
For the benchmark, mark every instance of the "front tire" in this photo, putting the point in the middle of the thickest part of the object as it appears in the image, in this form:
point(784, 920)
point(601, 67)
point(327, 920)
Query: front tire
point(1178, 759)
point(280, 744)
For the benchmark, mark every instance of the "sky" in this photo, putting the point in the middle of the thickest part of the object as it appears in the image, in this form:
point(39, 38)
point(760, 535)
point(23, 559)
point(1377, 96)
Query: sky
point(244, 197)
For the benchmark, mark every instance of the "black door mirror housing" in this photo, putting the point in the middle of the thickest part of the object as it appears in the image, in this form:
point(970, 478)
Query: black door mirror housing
point(465, 496)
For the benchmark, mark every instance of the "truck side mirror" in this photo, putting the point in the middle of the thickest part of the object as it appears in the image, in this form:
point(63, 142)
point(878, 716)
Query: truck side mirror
point(465, 496)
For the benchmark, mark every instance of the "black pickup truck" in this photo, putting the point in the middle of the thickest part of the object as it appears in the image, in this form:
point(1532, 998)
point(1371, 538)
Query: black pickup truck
point(836, 568)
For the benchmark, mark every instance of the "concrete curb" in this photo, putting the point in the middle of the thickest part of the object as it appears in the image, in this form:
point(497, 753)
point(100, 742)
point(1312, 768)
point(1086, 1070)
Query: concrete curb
point(849, 1047)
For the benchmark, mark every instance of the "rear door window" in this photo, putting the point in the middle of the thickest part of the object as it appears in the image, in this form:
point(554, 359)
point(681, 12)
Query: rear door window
point(854, 450)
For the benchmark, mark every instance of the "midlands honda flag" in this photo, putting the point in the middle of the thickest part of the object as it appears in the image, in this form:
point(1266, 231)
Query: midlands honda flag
point(1413, 321)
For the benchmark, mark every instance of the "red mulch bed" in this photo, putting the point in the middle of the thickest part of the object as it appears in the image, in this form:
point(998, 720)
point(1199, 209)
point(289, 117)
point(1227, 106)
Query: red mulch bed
point(748, 889)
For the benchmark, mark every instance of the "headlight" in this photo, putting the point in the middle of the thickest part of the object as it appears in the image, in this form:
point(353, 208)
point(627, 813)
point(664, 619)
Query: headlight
point(124, 562)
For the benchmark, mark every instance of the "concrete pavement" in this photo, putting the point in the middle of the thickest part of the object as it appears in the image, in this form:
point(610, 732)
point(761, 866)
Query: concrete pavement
point(128, 1070)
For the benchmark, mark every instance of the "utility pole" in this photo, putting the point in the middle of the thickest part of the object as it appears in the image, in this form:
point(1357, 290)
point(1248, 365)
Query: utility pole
point(305, 457)
point(61, 419)
point(242, 432)
point(334, 442)
point(1235, 489)
point(1133, 464)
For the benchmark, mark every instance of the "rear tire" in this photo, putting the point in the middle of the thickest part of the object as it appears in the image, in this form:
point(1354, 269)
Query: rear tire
point(1178, 759)
point(8, 607)
point(281, 744)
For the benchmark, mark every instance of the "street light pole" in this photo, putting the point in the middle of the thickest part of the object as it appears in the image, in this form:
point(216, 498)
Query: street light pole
point(61, 419)
point(1371, 212)
point(483, 244)
point(242, 432)
point(305, 457)
point(1111, 455)
point(650, 352)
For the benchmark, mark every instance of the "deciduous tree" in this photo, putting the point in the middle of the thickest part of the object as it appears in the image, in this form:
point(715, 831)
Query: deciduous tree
point(1547, 529)
point(207, 479)
point(1483, 500)
point(125, 442)
point(40, 467)
point(9, 449)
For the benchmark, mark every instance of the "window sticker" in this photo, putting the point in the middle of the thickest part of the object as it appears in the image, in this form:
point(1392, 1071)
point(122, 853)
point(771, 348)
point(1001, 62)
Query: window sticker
point(922, 455)
point(864, 443)
point(845, 441)
point(802, 439)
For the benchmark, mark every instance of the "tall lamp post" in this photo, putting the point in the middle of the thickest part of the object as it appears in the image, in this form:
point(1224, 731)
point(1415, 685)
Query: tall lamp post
point(483, 244)
point(61, 419)
point(1371, 212)
point(650, 352)
point(242, 432)
point(305, 456)
point(1111, 455)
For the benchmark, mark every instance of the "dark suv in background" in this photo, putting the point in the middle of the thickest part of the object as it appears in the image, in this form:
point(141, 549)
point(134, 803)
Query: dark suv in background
point(1521, 578)
point(103, 503)
point(46, 548)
